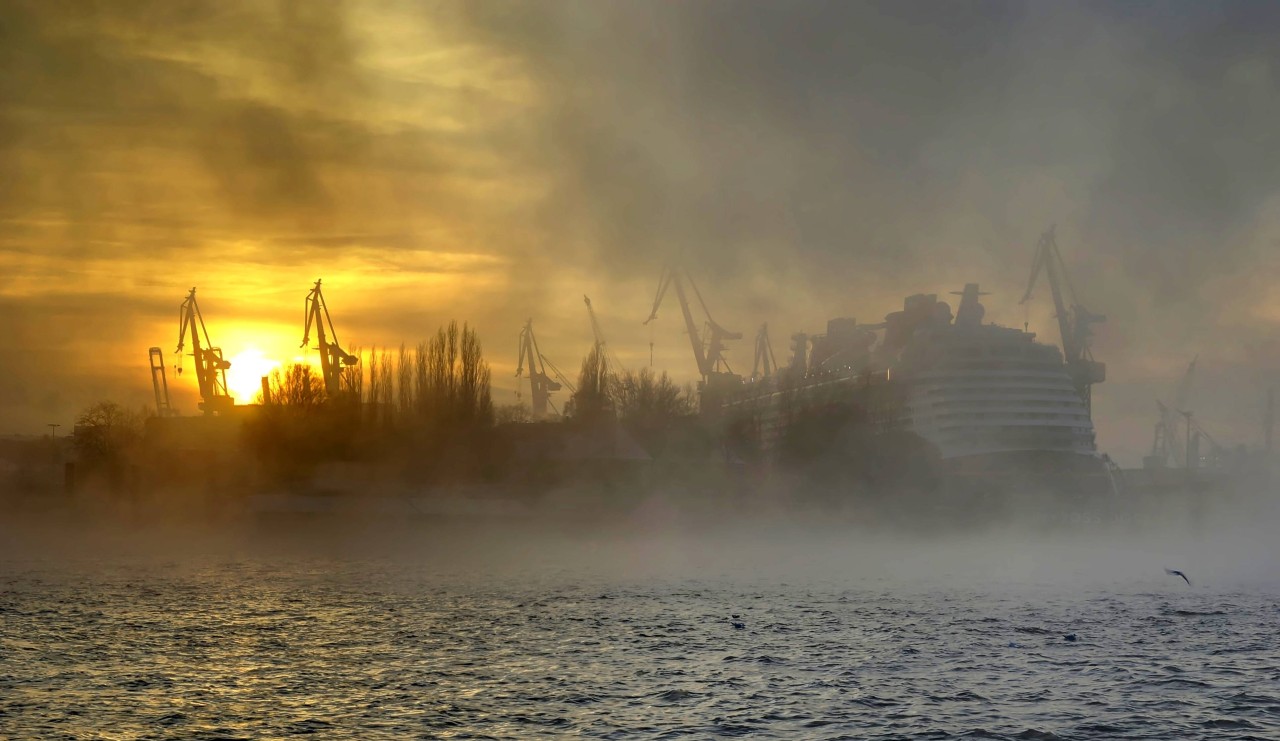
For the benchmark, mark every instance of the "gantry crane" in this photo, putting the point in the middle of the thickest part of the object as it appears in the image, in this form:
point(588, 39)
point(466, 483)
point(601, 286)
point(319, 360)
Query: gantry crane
point(541, 385)
point(333, 359)
point(211, 368)
point(718, 378)
point(765, 365)
point(1075, 322)
point(159, 383)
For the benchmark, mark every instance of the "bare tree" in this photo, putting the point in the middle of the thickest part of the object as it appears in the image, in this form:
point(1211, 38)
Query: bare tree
point(512, 413)
point(648, 399)
point(373, 391)
point(386, 389)
point(298, 386)
point(106, 431)
point(405, 397)
point(475, 404)
point(353, 379)
point(420, 379)
point(592, 401)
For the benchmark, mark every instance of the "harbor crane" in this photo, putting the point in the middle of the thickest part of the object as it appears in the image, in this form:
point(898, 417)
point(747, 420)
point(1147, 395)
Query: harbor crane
point(159, 383)
point(540, 384)
point(333, 359)
point(718, 378)
point(211, 368)
point(765, 364)
point(599, 335)
point(1167, 446)
point(1195, 432)
point(1075, 322)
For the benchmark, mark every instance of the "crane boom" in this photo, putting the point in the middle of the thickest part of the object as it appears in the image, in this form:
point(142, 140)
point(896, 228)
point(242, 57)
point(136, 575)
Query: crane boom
point(540, 384)
point(159, 383)
point(595, 323)
point(1169, 444)
point(765, 364)
point(1074, 320)
point(211, 368)
point(332, 357)
point(1046, 252)
point(598, 333)
point(718, 379)
point(708, 352)
point(1183, 389)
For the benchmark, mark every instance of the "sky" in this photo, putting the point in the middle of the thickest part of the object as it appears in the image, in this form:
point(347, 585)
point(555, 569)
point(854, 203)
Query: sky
point(495, 161)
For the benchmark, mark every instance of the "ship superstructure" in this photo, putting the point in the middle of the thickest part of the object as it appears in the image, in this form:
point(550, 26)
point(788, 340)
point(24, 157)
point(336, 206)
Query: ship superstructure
point(998, 406)
point(982, 389)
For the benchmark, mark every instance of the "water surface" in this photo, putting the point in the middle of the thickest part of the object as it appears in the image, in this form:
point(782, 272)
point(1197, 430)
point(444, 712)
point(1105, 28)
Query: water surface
point(237, 642)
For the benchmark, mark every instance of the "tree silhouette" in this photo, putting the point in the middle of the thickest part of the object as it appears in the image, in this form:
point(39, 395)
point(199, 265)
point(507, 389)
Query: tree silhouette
point(106, 432)
point(593, 399)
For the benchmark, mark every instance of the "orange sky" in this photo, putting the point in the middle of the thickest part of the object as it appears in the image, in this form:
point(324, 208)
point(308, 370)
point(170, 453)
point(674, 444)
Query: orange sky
point(494, 161)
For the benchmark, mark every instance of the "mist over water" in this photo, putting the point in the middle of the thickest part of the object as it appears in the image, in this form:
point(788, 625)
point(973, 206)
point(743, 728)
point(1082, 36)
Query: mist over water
point(650, 627)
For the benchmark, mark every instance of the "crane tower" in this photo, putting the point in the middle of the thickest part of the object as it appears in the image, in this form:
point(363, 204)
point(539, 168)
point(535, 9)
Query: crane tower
point(718, 379)
point(541, 385)
point(211, 368)
point(598, 333)
point(333, 359)
point(765, 365)
point(1075, 322)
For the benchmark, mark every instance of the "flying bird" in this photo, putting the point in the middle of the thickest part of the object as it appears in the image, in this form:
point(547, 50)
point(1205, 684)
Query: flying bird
point(1175, 572)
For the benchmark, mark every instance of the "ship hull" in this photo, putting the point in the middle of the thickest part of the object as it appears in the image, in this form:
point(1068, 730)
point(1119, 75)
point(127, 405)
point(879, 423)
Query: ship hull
point(1032, 472)
point(1049, 488)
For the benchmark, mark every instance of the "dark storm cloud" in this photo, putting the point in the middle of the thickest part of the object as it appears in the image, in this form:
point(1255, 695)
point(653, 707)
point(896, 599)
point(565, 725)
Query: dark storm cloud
point(785, 131)
point(731, 127)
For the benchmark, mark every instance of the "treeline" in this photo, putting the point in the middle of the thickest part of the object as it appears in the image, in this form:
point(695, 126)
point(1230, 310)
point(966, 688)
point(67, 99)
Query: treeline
point(429, 410)
point(423, 413)
point(649, 405)
point(428, 407)
point(442, 383)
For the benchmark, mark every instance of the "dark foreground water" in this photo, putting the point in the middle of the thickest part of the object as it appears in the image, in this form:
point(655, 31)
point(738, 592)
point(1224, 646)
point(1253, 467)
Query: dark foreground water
point(657, 639)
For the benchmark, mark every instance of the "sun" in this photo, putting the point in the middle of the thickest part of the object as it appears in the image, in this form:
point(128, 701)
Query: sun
point(244, 378)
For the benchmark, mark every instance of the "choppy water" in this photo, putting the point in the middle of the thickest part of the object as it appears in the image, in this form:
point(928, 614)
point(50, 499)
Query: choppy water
point(255, 645)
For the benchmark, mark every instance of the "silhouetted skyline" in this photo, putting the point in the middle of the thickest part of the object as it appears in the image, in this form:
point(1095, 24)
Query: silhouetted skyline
point(493, 161)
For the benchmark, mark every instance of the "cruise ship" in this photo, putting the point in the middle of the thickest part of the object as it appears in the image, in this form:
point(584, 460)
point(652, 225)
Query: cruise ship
point(1002, 411)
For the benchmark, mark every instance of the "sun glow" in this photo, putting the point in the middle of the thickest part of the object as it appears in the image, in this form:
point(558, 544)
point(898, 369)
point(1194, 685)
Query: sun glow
point(244, 378)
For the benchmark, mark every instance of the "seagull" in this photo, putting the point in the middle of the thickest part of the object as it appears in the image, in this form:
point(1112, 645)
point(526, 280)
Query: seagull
point(1175, 572)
